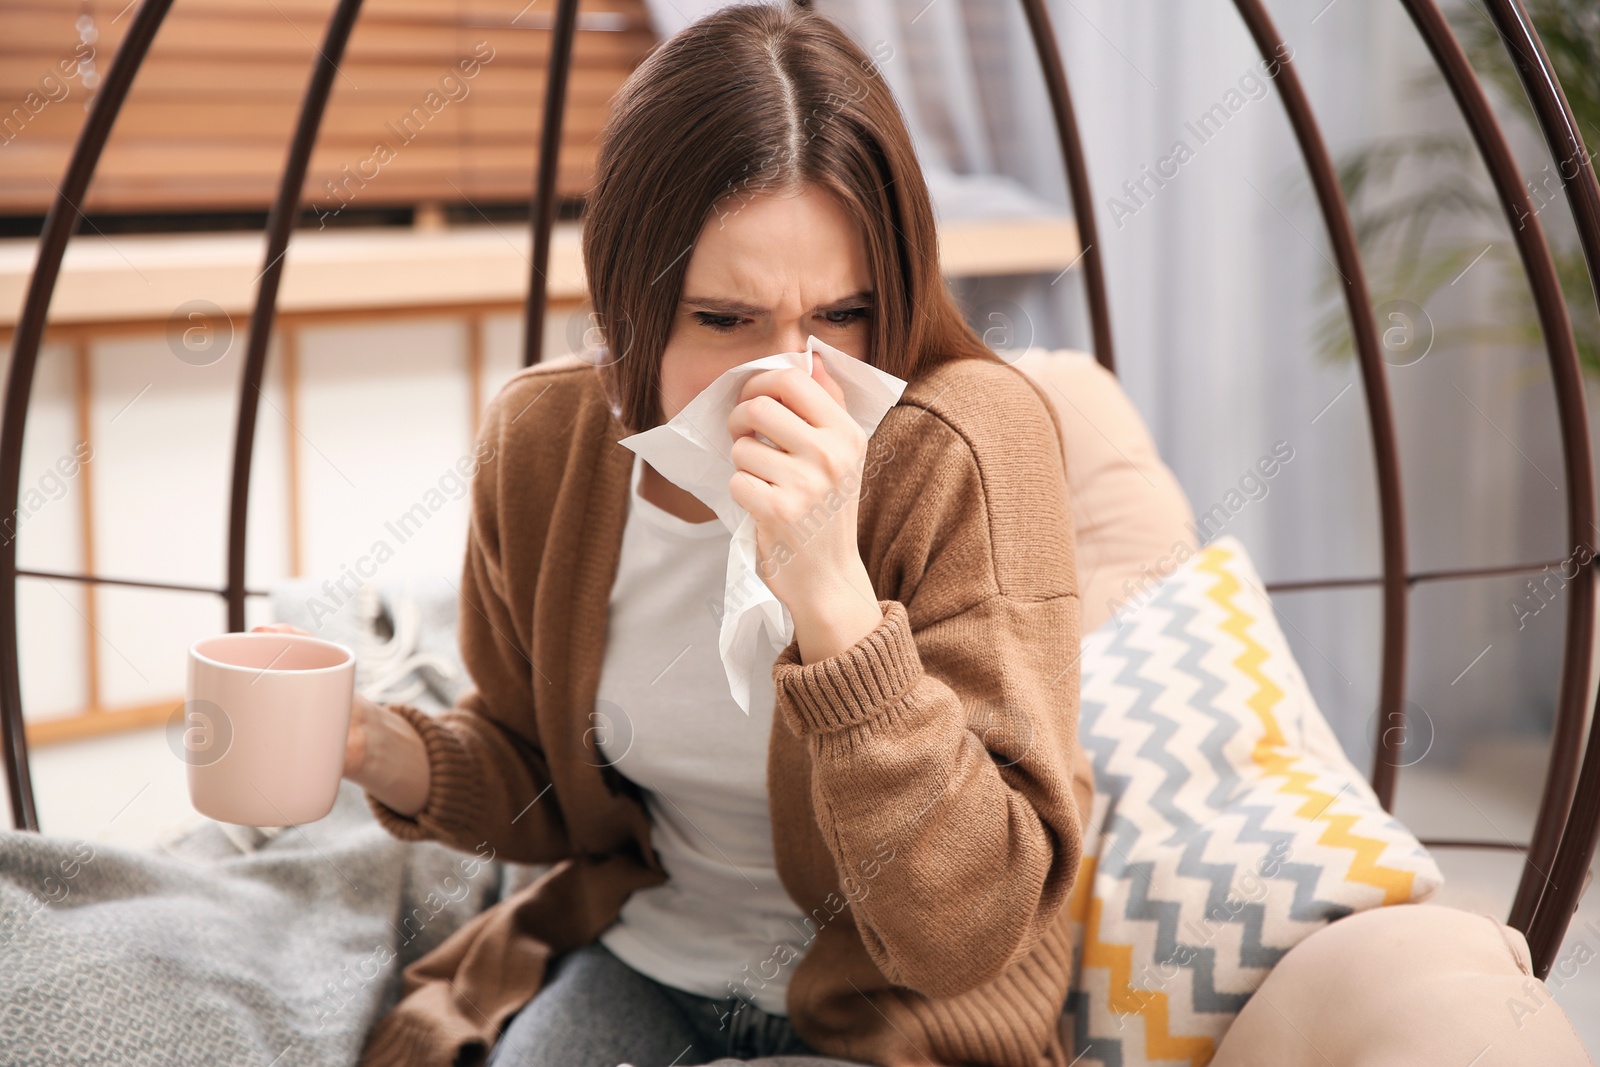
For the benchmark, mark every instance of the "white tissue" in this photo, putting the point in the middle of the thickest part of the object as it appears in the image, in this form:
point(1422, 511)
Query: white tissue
point(693, 451)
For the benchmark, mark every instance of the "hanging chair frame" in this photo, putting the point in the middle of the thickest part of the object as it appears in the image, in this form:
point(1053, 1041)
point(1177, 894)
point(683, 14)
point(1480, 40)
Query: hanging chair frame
point(1557, 857)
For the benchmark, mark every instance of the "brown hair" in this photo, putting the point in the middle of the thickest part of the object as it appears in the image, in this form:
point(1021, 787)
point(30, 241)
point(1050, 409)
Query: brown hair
point(756, 98)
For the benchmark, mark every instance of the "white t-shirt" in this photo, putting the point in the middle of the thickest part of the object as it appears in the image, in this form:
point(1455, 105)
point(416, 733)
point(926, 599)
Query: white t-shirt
point(666, 719)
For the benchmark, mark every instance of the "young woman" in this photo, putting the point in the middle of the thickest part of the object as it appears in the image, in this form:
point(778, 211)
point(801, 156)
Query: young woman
point(877, 870)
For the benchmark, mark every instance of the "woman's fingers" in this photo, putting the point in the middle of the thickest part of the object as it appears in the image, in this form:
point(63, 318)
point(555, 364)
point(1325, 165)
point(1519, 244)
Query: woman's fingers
point(279, 628)
point(355, 751)
point(819, 374)
point(771, 465)
point(768, 416)
point(785, 432)
point(797, 391)
point(355, 748)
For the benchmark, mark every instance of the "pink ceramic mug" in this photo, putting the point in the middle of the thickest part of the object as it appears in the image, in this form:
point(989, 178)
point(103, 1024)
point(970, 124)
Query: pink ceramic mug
point(266, 719)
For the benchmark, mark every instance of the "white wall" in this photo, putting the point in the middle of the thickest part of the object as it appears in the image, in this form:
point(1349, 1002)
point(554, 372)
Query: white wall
point(383, 411)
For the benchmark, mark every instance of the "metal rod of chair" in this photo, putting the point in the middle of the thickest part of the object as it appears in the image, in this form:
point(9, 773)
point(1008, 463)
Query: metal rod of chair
point(544, 186)
point(1066, 118)
point(1565, 832)
point(1390, 726)
point(280, 224)
point(1553, 892)
point(59, 225)
point(1416, 577)
point(1576, 456)
point(134, 583)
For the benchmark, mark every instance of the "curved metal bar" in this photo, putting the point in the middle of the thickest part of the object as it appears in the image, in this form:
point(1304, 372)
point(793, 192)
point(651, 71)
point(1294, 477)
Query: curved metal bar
point(1416, 577)
point(280, 222)
point(1380, 415)
point(1577, 651)
point(544, 186)
point(1055, 80)
point(134, 583)
point(1553, 910)
point(59, 225)
point(1487, 846)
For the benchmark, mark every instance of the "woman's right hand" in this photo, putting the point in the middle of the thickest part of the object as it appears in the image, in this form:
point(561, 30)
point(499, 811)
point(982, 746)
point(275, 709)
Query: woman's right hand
point(355, 745)
point(383, 753)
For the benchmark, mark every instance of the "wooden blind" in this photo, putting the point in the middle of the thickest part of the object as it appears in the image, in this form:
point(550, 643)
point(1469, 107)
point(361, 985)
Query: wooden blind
point(437, 101)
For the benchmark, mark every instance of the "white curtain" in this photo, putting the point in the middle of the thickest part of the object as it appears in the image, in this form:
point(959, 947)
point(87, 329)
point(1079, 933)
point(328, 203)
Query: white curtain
point(1216, 278)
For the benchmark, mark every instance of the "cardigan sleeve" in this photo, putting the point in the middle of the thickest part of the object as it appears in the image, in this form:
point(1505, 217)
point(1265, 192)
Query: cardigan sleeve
point(489, 779)
point(943, 741)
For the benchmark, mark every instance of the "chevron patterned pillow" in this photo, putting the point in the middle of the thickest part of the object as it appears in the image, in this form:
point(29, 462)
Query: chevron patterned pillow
point(1226, 827)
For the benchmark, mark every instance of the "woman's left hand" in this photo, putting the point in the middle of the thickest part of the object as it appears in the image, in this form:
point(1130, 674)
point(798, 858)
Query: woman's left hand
point(804, 494)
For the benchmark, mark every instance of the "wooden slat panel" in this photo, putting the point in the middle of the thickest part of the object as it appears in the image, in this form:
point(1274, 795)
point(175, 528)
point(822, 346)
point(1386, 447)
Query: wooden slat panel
point(134, 277)
point(351, 124)
point(209, 118)
point(98, 722)
point(284, 80)
point(149, 160)
point(442, 11)
point(264, 33)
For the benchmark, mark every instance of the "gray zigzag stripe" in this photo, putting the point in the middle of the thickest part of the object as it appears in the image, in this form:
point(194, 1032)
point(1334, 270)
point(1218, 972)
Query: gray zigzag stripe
point(1097, 1048)
point(1167, 915)
point(1306, 906)
point(1226, 727)
point(1197, 956)
point(1250, 918)
point(1201, 957)
point(1116, 832)
point(1105, 748)
point(1253, 952)
point(1155, 749)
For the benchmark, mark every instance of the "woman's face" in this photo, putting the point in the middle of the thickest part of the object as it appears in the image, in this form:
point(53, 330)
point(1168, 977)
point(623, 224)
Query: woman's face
point(765, 272)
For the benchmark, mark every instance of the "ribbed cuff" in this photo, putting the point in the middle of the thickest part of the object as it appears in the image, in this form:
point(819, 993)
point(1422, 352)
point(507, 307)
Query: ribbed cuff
point(450, 785)
point(847, 689)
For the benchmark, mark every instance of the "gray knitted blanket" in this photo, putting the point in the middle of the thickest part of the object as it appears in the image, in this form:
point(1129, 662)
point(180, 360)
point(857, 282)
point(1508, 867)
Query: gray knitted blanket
point(229, 945)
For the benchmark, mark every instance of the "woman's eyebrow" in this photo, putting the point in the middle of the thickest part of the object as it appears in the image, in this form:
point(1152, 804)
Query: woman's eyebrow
point(731, 307)
point(864, 297)
point(738, 307)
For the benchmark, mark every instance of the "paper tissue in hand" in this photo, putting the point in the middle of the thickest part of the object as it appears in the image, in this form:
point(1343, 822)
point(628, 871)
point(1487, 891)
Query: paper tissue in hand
point(693, 451)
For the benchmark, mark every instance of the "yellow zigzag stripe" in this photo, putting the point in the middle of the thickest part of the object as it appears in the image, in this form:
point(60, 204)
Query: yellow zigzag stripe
point(1159, 1041)
point(1271, 754)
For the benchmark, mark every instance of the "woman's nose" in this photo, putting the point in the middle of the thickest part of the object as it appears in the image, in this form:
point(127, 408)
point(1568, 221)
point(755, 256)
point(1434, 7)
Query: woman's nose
point(790, 338)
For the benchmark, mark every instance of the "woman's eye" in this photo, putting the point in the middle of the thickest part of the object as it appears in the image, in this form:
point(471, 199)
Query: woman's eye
point(720, 323)
point(845, 316)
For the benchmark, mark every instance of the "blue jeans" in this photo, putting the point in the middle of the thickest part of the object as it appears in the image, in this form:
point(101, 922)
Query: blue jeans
point(596, 1011)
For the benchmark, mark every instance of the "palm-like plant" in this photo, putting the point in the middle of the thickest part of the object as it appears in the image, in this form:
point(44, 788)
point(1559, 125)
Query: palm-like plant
point(1398, 232)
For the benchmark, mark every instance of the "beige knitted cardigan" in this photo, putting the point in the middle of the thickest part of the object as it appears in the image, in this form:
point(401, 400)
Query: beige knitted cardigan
point(925, 784)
